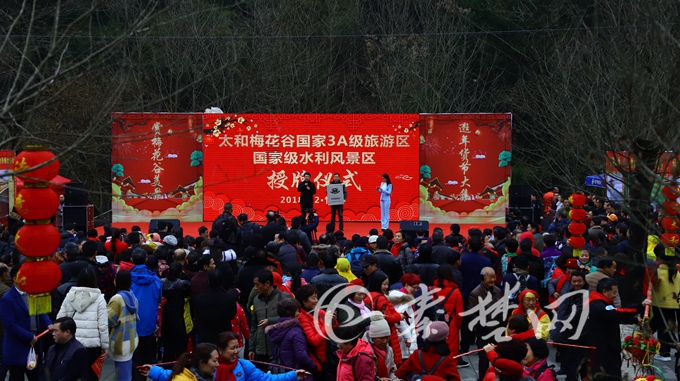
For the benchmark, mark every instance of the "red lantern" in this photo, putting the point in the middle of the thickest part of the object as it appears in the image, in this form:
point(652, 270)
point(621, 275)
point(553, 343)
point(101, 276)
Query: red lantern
point(577, 228)
point(577, 215)
point(670, 224)
point(577, 242)
point(37, 240)
point(577, 200)
point(34, 157)
point(36, 203)
point(670, 239)
point(47, 271)
point(670, 193)
point(671, 207)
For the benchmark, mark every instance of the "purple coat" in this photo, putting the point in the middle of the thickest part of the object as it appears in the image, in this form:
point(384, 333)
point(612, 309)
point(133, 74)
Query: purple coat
point(288, 335)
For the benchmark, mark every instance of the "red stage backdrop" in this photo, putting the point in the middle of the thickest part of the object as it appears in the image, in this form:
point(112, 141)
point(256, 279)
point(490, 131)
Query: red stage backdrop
point(465, 162)
point(255, 161)
point(157, 167)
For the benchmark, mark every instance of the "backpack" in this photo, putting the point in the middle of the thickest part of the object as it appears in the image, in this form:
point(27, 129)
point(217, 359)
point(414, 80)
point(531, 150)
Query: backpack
point(276, 366)
point(354, 373)
point(224, 224)
point(354, 261)
point(438, 312)
point(329, 368)
point(542, 369)
point(246, 231)
point(417, 377)
point(522, 279)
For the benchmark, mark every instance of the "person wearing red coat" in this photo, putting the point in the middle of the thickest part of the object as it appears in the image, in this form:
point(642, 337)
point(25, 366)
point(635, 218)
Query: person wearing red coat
point(435, 355)
point(377, 301)
point(315, 330)
point(453, 305)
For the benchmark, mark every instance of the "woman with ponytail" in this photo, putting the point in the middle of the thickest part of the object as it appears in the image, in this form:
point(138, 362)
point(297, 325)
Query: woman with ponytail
point(665, 301)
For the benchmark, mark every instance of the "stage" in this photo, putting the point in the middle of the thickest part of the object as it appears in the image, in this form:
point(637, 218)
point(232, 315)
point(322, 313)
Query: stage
point(351, 227)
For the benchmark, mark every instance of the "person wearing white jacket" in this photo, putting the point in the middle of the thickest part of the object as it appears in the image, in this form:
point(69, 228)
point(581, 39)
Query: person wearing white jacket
point(402, 300)
point(85, 303)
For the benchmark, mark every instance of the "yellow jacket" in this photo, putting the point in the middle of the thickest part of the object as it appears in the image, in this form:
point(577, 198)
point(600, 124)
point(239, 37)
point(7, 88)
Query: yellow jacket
point(186, 375)
point(666, 293)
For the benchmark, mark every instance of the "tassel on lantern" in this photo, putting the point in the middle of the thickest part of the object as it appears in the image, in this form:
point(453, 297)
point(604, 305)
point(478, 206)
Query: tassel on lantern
point(39, 304)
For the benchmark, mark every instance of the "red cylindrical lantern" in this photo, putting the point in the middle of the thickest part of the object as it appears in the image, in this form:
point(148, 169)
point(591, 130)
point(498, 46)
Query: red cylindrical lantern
point(577, 215)
point(671, 207)
point(30, 165)
point(34, 203)
point(670, 239)
point(577, 242)
point(670, 224)
point(577, 200)
point(37, 240)
point(670, 192)
point(577, 228)
point(47, 271)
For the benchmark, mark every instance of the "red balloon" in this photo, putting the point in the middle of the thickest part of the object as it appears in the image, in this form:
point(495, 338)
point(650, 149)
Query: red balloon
point(577, 242)
point(670, 224)
point(577, 228)
point(37, 240)
point(671, 207)
point(577, 200)
point(32, 157)
point(670, 192)
point(36, 203)
point(577, 215)
point(38, 277)
point(670, 239)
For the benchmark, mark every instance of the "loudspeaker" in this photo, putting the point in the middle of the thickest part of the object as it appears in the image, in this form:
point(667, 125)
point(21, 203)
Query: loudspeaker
point(153, 224)
point(520, 196)
point(75, 194)
point(411, 227)
point(80, 218)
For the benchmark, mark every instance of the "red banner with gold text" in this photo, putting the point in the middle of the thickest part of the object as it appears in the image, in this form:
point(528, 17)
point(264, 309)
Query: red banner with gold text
point(465, 162)
point(256, 161)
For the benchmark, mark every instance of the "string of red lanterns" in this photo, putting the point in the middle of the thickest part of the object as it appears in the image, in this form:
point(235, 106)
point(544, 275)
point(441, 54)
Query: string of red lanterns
point(38, 238)
point(577, 226)
point(669, 223)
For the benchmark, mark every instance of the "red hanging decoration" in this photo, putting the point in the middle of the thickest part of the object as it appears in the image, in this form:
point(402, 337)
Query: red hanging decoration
point(577, 242)
point(670, 224)
point(31, 167)
point(577, 215)
point(37, 239)
point(671, 207)
point(670, 239)
point(577, 200)
point(670, 192)
point(33, 203)
point(577, 228)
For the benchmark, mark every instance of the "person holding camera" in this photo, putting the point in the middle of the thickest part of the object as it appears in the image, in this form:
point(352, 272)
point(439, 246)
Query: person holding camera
point(307, 191)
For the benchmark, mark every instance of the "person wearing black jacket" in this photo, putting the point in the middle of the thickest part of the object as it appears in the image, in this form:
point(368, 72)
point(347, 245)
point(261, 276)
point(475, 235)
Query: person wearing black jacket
point(603, 326)
point(67, 359)
point(424, 265)
point(246, 273)
point(173, 328)
point(214, 310)
point(307, 190)
point(271, 228)
point(226, 227)
point(387, 262)
point(440, 250)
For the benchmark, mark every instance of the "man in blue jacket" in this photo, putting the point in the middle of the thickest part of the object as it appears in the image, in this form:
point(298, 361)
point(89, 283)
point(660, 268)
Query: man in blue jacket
point(20, 331)
point(146, 286)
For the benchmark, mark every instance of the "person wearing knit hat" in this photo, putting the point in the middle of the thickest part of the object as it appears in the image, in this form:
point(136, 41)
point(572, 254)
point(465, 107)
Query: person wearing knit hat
point(535, 362)
point(170, 240)
point(378, 336)
point(434, 358)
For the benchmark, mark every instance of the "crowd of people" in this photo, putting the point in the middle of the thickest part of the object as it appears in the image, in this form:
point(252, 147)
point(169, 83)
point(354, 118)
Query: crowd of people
point(243, 301)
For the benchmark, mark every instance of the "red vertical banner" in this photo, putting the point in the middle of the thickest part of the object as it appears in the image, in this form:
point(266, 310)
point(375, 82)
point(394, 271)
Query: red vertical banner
point(256, 161)
point(157, 167)
point(465, 162)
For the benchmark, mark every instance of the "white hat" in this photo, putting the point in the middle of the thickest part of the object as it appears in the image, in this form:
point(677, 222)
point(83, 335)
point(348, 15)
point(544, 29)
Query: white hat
point(379, 326)
point(373, 239)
